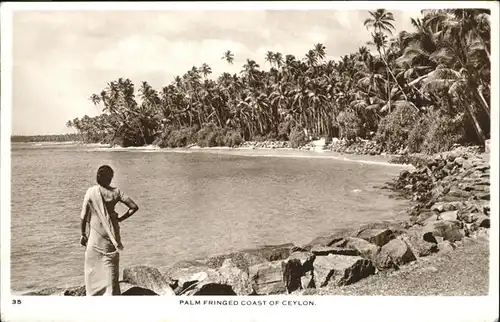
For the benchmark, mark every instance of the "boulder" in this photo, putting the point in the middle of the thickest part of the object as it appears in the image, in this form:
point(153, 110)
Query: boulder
point(200, 280)
point(337, 236)
point(307, 280)
point(236, 277)
point(52, 291)
point(242, 260)
point(75, 291)
point(424, 216)
point(468, 218)
point(325, 250)
point(272, 252)
point(483, 221)
point(449, 215)
point(365, 249)
point(483, 195)
point(421, 242)
point(379, 237)
point(268, 278)
point(446, 246)
point(341, 270)
point(396, 227)
point(149, 278)
point(449, 230)
point(128, 289)
point(393, 254)
point(446, 206)
point(298, 265)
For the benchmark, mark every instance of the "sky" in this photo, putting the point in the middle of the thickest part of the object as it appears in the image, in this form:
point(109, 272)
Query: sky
point(61, 58)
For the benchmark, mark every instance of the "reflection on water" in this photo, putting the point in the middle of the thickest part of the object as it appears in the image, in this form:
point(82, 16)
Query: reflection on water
point(191, 205)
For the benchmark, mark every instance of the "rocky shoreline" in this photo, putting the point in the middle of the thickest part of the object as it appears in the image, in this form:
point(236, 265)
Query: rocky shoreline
point(450, 205)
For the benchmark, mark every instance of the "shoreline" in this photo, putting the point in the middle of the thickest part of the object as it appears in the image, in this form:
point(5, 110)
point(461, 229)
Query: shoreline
point(267, 255)
point(251, 151)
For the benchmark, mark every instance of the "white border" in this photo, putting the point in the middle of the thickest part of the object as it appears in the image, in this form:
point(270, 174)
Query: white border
point(168, 309)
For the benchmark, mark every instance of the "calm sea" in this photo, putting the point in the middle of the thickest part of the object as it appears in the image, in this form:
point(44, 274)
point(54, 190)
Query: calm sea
point(191, 204)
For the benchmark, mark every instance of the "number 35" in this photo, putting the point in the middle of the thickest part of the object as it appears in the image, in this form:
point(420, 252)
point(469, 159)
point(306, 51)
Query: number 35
point(16, 301)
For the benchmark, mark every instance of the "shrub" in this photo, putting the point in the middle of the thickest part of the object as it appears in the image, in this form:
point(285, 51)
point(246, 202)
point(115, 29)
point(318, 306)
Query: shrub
point(349, 126)
point(233, 138)
point(297, 137)
point(210, 135)
point(418, 134)
point(444, 131)
point(284, 131)
point(173, 137)
point(394, 129)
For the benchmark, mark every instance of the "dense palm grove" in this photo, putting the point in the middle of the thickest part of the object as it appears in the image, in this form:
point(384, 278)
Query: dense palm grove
point(424, 89)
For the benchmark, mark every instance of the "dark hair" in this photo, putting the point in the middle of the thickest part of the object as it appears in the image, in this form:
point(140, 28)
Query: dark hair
point(104, 175)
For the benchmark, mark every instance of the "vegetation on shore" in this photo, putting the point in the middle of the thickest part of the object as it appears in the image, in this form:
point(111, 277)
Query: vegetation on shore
point(424, 89)
point(71, 137)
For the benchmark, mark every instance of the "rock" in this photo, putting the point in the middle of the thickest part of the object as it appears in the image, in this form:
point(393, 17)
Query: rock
point(268, 278)
point(446, 246)
point(459, 161)
point(483, 221)
point(341, 270)
point(393, 254)
point(423, 216)
point(422, 243)
point(396, 227)
point(296, 266)
point(446, 206)
point(324, 251)
point(365, 249)
point(469, 218)
point(148, 278)
point(75, 291)
point(200, 280)
point(52, 291)
point(458, 193)
point(236, 277)
point(307, 280)
point(337, 236)
point(449, 230)
point(379, 237)
point(242, 260)
point(449, 215)
point(272, 252)
point(483, 195)
point(128, 289)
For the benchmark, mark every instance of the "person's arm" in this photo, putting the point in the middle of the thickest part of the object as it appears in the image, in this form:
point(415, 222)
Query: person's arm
point(84, 215)
point(132, 207)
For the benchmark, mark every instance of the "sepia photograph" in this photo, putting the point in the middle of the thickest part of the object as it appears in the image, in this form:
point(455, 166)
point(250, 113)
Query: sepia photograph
point(274, 151)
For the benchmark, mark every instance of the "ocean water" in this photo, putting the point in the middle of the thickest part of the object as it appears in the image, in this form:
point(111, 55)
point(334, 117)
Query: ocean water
point(192, 204)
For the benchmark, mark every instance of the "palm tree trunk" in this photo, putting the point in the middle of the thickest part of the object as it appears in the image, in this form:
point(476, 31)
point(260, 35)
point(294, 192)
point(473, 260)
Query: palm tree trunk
point(482, 101)
point(477, 128)
point(394, 77)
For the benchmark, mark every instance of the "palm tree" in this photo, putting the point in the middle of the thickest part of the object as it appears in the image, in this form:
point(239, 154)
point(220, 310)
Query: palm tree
point(228, 56)
point(205, 70)
point(270, 58)
point(320, 51)
point(381, 21)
